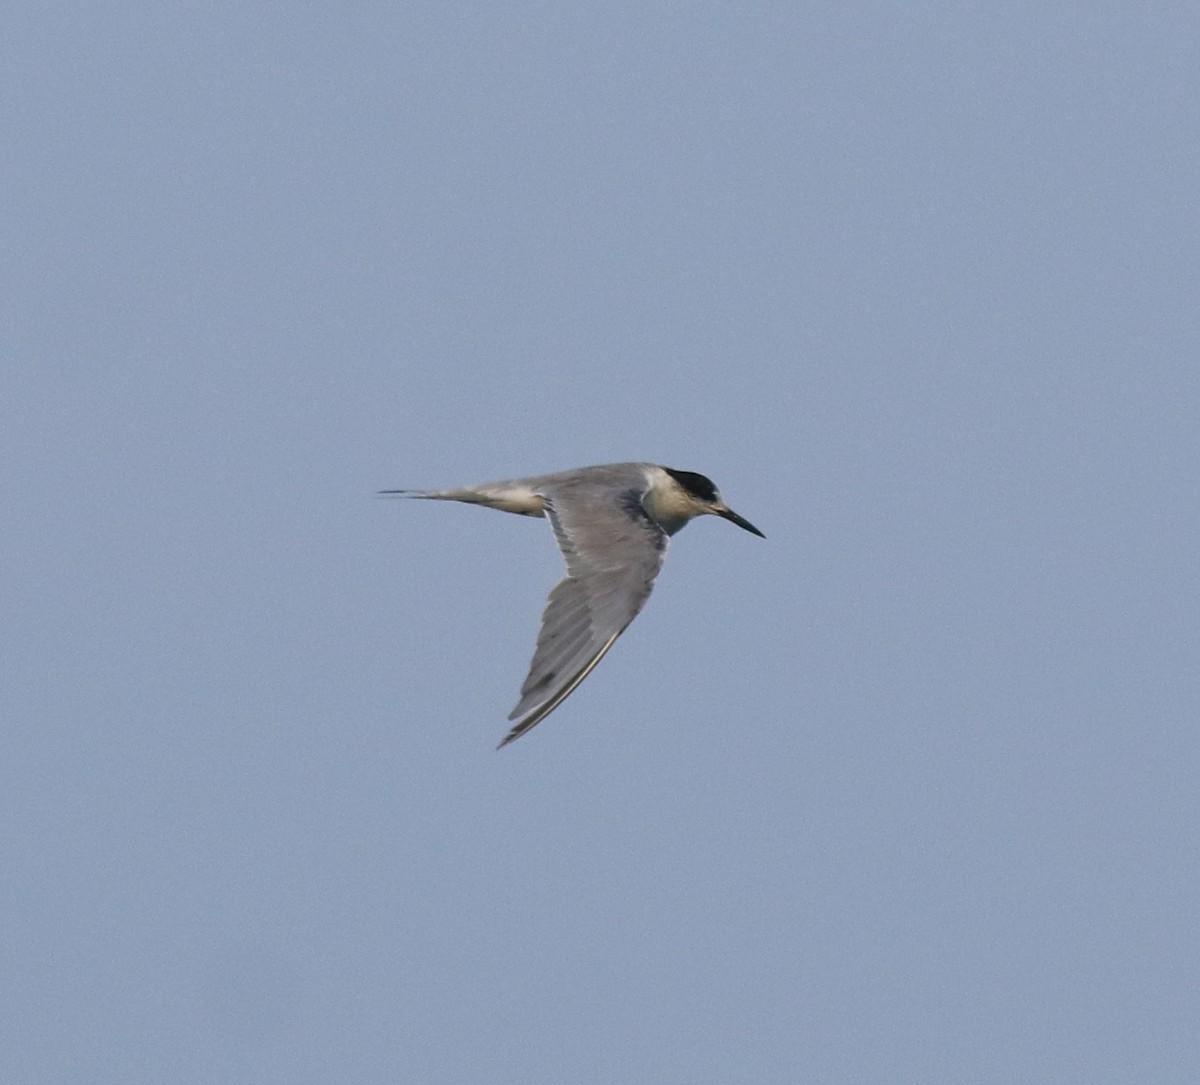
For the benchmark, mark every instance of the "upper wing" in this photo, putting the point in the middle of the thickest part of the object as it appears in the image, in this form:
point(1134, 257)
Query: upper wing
point(613, 552)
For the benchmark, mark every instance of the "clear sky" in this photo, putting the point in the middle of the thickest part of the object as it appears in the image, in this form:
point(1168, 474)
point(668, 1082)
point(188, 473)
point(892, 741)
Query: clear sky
point(905, 793)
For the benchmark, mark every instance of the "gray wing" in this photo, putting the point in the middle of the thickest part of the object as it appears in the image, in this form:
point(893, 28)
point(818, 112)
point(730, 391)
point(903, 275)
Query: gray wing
point(613, 552)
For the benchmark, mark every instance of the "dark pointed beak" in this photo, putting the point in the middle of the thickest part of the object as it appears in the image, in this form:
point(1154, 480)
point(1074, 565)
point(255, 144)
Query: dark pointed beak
point(728, 514)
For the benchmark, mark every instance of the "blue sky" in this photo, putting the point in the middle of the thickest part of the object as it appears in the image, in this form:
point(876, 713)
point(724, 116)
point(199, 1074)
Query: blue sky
point(905, 793)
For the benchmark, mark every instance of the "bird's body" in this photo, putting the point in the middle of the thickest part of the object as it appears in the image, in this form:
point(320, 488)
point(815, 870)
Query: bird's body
point(611, 523)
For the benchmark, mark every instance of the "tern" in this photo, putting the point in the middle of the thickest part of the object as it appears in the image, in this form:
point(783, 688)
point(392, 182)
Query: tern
point(612, 523)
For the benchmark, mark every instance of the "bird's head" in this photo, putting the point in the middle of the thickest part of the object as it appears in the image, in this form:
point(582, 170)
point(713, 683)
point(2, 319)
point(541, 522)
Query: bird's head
point(686, 494)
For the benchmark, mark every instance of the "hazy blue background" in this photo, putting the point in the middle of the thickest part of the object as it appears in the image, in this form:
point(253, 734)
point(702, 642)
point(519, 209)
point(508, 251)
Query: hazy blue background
point(905, 793)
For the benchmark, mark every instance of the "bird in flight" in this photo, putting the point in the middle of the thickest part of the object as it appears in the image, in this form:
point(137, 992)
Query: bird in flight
point(611, 522)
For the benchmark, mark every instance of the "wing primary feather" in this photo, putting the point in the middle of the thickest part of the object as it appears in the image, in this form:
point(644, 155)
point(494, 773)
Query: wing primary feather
point(542, 711)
